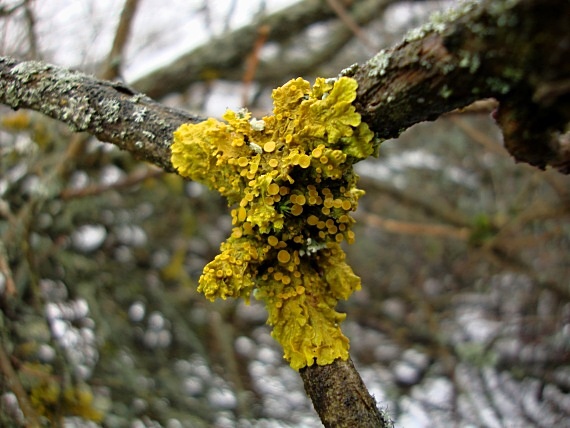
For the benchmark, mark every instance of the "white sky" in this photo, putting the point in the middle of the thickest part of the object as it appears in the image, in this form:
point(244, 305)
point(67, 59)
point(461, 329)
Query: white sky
point(78, 33)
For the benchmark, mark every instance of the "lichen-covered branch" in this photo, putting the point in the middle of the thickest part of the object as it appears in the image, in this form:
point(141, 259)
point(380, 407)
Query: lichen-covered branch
point(112, 112)
point(514, 51)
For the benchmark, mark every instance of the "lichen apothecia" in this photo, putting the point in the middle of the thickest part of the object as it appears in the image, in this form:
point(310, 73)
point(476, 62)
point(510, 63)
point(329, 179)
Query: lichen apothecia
point(289, 178)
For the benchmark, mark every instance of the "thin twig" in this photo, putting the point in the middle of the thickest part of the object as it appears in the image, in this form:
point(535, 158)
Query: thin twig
point(412, 228)
point(345, 17)
point(13, 382)
point(479, 137)
point(223, 334)
point(115, 58)
point(434, 208)
point(31, 27)
point(10, 290)
point(129, 181)
point(229, 15)
point(253, 61)
point(9, 10)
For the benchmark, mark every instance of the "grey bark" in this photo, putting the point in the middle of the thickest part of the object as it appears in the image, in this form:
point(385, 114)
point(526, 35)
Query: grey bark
point(112, 112)
point(514, 51)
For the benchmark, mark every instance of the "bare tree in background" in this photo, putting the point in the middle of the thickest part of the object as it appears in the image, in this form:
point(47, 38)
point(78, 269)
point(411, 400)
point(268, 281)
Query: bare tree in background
point(464, 256)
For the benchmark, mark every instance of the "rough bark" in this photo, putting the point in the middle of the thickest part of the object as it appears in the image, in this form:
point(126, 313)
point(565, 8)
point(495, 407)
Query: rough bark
point(341, 398)
point(514, 51)
point(112, 112)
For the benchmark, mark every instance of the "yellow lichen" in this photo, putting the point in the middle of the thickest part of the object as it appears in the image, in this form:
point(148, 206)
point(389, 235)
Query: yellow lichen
point(290, 177)
point(50, 401)
point(283, 256)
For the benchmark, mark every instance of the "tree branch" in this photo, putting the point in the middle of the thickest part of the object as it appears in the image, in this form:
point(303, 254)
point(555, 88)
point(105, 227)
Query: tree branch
point(514, 51)
point(517, 55)
point(114, 60)
point(224, 57)
point(341, 398)
point(112, 112)
point(12, 380)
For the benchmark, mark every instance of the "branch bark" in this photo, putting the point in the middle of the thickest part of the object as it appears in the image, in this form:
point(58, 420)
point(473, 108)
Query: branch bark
point(516, 54)
point(112, 112)
point(341, 398)
point(514, 51)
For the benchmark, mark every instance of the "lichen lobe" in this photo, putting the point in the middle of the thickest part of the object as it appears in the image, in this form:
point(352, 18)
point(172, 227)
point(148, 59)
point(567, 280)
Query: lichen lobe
point(290, 180)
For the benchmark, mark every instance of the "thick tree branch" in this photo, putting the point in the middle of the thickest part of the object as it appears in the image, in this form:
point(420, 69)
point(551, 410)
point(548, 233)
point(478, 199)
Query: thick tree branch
point(112, 112)
point(515, 51)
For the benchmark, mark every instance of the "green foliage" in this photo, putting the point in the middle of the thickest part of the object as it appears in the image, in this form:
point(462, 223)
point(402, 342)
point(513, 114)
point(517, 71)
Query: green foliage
point(478, 355)
point(483, 230)
point(54, 399)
